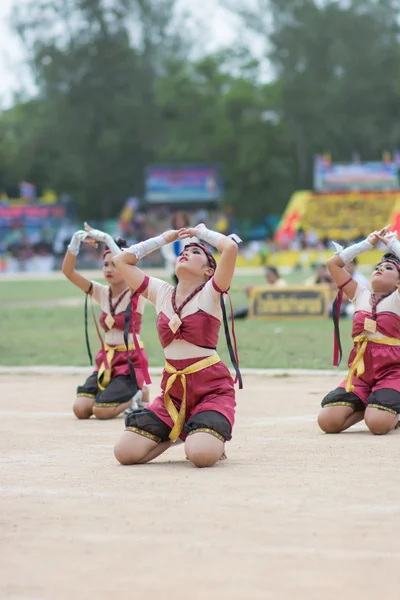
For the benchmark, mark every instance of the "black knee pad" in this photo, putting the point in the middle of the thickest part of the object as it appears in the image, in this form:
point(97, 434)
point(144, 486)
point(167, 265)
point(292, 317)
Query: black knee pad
point(120, 390)
point(385, 399)
point(339, 397)
point(89, 388)
point(210, 421)
point(146, 423)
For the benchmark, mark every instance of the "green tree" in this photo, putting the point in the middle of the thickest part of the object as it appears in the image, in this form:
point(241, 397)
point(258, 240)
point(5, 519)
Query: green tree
point(211, 115)
point(339, 66)
point(25, 148)
point(96, 75)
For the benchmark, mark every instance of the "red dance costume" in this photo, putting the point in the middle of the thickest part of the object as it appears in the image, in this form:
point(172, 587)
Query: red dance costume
point(381, 360)
point(211, 387)
point(112, 358)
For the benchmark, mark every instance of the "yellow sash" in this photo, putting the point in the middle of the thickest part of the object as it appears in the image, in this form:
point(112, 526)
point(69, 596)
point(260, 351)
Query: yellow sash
point(106, 373)
point(358, 366)
point(178, 418)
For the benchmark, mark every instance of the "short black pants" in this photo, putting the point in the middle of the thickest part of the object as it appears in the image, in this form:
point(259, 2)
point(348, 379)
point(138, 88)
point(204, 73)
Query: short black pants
point(384, 399)
point(121, 389)
point(146, 423)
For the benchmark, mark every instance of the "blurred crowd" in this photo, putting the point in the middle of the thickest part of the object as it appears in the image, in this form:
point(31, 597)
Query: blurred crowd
point(39, 250)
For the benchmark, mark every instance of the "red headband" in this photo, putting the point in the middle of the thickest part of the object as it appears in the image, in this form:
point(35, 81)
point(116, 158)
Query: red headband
point(391, 261)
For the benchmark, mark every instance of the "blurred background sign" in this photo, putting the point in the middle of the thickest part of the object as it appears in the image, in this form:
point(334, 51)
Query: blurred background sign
point(31, 215)
point(180, 184)
point(357, 176)
point(289, 302)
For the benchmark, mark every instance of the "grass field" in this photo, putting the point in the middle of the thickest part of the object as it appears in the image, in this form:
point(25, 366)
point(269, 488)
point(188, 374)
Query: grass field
point(42, 322)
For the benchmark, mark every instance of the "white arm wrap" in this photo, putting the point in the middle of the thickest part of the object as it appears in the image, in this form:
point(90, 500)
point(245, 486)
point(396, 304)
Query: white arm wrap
point(98, 235)
point(144, 248)
point(101, 236)
point(115, 249)
point(394, 245)
point(73, 246)
point(347, 254)
point(235, 238)
point(209, 236)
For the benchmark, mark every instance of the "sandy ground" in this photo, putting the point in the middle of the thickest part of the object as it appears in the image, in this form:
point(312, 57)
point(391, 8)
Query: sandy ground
point(292, 514)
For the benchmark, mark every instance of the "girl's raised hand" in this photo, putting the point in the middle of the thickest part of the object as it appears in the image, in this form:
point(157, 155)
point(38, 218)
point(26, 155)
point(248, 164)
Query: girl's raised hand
point(172, 235)
point(377, 236)
point(96, 234)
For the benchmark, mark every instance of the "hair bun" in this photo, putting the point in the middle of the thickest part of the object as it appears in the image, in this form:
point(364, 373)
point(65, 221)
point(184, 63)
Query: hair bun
point(390, 256)
point(121, 242)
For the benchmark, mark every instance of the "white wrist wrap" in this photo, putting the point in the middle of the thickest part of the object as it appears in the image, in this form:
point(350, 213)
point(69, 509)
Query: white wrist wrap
point(209, 236)
point(73, 246)
point(347, 254)
point(235, 238)
point(394, 246)
point(144, 248)
point(113, 246)
point(99, 236)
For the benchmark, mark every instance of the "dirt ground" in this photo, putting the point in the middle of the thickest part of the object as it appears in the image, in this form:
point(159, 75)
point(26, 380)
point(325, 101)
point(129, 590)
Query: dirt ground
point(292, 514)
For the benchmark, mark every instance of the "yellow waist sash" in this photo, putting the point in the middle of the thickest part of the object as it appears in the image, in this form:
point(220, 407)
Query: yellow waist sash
point(110, 352)
point(358, 366)
point(178, 418)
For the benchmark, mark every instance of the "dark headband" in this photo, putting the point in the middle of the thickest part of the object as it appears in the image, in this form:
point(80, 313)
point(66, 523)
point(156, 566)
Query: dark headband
point(390, 258)
point(210, 258)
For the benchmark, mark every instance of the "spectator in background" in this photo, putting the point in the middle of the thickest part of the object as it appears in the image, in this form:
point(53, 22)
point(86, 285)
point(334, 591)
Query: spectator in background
point(347, 308)
point(201, 216)
point(43, 260)
point(320, 277)
point(171, 251)
point(273, 278)
point(352, 270)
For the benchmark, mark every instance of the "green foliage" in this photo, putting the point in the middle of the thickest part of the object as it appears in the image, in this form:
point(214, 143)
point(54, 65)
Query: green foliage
point(339, 64)
point(118, 88)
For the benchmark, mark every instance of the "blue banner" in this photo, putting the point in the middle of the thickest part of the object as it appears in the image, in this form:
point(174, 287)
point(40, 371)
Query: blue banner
point(346, 177)
point(186, 183)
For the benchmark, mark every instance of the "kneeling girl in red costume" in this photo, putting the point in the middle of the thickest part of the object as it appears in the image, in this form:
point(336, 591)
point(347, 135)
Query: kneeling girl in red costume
point(118, 375)
point(372, 388)
point(197, 400)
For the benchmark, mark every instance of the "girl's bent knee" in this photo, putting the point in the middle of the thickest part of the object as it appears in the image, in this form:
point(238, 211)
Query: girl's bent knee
point(126, 455)
point(330, 423)
point(109, 412)
point(380, 422)
point(123, 456)
point(203, 459)
point(83, 408)
point(106, 413)
point(203, 449)
point(132, 449)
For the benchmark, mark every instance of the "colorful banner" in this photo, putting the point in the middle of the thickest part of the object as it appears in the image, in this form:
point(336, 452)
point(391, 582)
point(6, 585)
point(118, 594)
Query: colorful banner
point(186, 183)
point(338, 216)
point(292, 217)
point(356, 176)
point(30, 215)
point(289, 302)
